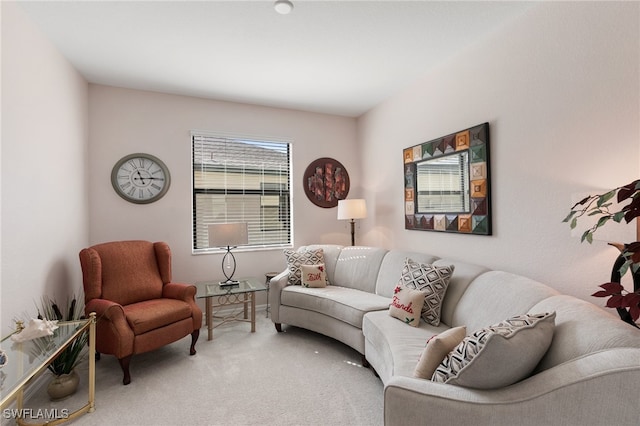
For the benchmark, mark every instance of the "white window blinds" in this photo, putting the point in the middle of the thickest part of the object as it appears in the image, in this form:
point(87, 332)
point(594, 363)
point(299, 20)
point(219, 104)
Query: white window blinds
point(238, 179)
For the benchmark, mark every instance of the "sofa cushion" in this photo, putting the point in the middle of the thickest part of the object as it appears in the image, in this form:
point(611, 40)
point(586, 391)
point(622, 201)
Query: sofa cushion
point(432, 281)
point(342, 303)
point(598, 330)
point(464, 274)
point(406, 305)
point(496, 295)
point(499, 355)
point(314, 276)
point(436, 349)
point(396, 346)
point(295, 259)
point(358, 267)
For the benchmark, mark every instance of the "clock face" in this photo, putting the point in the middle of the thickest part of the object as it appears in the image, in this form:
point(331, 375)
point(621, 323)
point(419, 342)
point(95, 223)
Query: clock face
point(140, 178)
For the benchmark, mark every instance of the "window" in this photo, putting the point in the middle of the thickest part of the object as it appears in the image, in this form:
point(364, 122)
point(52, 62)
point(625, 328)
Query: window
point(238, 179)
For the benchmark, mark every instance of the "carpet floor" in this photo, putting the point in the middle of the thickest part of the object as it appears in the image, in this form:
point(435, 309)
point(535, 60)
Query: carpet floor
point(239, 378)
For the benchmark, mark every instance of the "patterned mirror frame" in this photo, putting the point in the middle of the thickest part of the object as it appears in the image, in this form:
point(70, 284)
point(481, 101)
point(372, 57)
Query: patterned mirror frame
point(477, 220)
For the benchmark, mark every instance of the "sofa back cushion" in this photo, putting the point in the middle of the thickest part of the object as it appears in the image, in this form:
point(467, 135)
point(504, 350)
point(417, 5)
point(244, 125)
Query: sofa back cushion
point(357, 267)
point(331, 253)
point(391, 269)
point(463, 275)
point(495, 296)
point(583, 328)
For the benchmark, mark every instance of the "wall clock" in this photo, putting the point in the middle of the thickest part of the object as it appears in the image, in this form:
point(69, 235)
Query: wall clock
point(325, 182)
point(140, 178)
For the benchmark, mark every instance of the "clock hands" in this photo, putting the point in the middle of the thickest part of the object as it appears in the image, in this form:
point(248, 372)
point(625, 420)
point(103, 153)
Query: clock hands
point(142, 178)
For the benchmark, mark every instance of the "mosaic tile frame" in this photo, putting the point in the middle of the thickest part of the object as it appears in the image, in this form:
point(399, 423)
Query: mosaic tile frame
point(477, 220)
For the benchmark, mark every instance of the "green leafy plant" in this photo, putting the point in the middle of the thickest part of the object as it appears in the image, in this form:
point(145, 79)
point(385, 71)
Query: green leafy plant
point(72, 354)
point(627, 303)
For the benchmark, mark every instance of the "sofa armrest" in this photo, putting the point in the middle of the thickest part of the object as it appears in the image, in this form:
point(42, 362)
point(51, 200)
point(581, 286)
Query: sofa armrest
point(591, 390)
point(276, 285)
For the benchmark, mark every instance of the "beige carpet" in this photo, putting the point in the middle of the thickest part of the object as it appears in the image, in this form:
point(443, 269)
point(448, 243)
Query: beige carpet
point(239, 378)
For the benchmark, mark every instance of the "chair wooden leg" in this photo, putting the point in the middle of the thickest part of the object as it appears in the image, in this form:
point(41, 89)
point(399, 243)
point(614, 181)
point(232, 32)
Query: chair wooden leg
point(124, 364)
point(194, 339)
point(278, 327)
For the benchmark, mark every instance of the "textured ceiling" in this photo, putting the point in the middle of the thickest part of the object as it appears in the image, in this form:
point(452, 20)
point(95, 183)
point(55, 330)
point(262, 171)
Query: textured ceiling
point(337, 57)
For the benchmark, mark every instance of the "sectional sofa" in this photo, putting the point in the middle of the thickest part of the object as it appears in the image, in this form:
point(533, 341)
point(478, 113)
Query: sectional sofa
point(586, 372)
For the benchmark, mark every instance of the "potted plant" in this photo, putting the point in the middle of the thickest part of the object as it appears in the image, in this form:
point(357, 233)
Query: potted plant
point(66, 379)
point(626, 302)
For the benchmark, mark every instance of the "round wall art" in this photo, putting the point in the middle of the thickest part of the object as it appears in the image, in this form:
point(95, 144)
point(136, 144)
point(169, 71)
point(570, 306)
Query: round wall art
point(325, 182)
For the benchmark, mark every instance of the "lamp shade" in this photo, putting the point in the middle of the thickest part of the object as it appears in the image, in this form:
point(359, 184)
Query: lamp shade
point(352, 209)
point(228, 234)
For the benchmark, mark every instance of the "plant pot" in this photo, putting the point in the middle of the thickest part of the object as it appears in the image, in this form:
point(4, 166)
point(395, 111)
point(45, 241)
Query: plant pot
point(63, 386)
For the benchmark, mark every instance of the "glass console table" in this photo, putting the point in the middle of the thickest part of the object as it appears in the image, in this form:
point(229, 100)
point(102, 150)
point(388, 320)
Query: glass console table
point(27, 360)
point(216, 295)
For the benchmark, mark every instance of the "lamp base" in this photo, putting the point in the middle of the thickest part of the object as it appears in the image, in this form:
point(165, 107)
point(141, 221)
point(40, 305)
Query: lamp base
point(229, 283)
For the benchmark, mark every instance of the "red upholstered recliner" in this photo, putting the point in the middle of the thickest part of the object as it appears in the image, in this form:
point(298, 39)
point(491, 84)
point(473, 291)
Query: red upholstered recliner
point(128, 285)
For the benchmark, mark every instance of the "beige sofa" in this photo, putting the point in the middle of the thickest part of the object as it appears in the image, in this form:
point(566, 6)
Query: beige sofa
point(588, 376)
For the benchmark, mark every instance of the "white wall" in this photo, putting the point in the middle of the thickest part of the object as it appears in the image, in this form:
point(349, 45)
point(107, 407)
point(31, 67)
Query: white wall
point(560, 88)
point(125, 121)
point(44, 148)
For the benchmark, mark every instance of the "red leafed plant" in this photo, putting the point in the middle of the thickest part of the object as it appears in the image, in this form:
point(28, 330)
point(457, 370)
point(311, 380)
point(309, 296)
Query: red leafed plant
point(627, 303)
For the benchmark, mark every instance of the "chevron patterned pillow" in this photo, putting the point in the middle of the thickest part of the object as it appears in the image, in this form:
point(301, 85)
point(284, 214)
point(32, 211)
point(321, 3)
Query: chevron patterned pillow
point(499, 355)
point(432, 281)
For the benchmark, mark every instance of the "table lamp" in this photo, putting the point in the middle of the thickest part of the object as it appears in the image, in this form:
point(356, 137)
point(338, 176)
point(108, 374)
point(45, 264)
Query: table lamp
point(228, 236)
point(351, 210)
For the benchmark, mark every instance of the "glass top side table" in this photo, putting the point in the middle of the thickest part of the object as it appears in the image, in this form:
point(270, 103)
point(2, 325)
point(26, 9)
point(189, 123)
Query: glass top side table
point(26, 360)
point(218, 296)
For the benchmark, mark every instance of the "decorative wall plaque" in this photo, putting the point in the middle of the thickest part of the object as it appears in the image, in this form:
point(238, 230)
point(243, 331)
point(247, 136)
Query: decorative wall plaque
point(325, 182)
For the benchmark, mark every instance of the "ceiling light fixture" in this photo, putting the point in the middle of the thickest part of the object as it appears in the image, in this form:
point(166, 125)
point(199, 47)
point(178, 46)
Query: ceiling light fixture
point(283, 7)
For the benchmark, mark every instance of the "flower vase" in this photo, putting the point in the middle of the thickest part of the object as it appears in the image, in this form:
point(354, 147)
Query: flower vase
point(63, 386)
point(616, 277)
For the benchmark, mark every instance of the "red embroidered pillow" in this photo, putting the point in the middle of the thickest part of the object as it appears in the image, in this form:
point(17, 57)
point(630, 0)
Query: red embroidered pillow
point(406, 305)
point(314, 275)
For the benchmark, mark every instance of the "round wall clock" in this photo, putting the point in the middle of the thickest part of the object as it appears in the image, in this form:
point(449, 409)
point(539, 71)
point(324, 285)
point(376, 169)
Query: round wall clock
point(140, 178)
point(325, 182)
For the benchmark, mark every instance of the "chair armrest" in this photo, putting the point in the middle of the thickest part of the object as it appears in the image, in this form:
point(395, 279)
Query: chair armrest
point(186, 293)
point(276, 285)
point(115, 335)
point(589, 390)
point(105, 309)
point(180, 291)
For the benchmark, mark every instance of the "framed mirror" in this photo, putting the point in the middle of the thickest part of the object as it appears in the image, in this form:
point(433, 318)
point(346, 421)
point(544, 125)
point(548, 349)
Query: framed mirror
point(447, 183)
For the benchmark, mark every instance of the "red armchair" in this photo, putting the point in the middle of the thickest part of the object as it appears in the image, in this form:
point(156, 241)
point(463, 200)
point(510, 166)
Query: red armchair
point(128, 285)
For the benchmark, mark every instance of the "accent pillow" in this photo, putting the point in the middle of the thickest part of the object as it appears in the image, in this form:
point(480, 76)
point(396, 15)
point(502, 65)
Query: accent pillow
point(430, 279)
point(296, 259)
point(499, 355)
point(406, 305)
point(437, 348)
point(314, 276)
